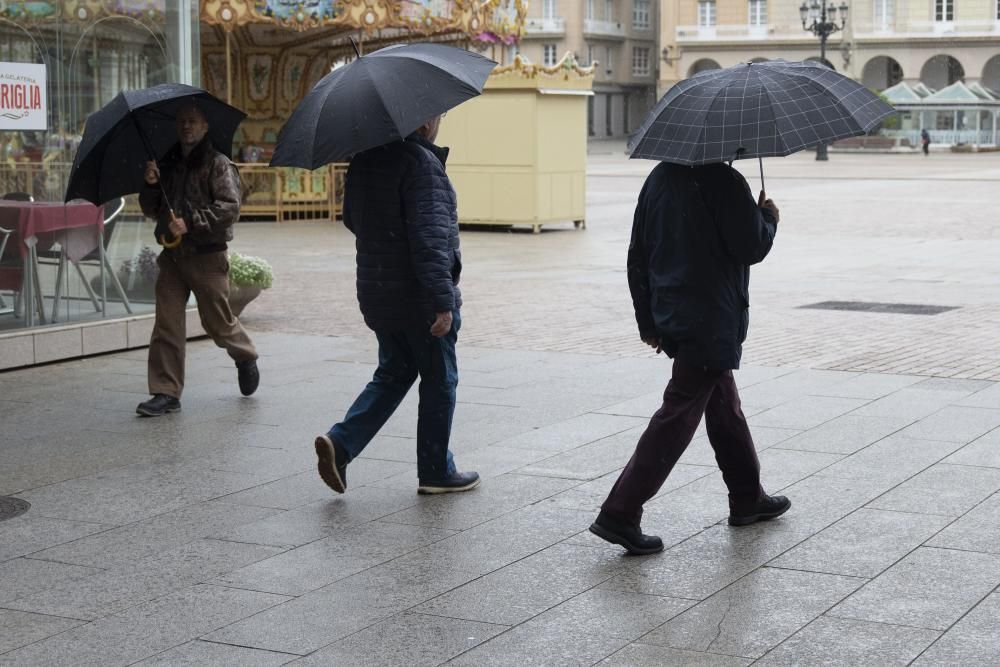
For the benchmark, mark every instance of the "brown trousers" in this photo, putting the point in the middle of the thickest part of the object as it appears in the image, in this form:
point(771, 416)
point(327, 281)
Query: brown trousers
point(207, 276)
point(691, 393)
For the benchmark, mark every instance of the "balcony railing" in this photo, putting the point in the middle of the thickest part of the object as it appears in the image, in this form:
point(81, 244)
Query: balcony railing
point(606, 29)
point(908, 29)
point(551, 27)
point(695, 33)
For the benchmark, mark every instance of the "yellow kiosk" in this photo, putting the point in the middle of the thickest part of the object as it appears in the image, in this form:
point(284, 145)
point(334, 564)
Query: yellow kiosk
point(519, 151)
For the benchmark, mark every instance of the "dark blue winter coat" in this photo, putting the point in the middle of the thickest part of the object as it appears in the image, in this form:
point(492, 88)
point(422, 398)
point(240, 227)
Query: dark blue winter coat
point(402, 209)
point(695, 234)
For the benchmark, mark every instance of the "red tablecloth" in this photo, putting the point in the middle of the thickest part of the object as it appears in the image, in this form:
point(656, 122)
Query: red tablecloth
point(77, 226)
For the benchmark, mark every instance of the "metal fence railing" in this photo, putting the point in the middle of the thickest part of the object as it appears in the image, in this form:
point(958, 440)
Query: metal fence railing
point(281, 194)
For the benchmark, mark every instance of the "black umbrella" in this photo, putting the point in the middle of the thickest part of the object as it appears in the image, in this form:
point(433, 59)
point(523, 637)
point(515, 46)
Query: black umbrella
point(136, 126)
point(772, 108)
point(376, 99)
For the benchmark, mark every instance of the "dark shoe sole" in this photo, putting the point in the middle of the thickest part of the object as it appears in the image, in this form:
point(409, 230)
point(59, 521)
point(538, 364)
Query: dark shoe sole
point(754, 518)
point(429, 489)
point(149, 413)
point(327, 464)
point(614, 538)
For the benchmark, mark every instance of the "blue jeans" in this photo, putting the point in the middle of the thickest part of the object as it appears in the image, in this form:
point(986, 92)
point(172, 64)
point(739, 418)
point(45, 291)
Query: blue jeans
point(402, 356)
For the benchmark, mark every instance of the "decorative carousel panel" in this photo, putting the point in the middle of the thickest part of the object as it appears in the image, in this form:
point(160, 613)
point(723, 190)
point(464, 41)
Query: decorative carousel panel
point(26, 12)
point(504, 22)
point(259, 74)
point(297, 14)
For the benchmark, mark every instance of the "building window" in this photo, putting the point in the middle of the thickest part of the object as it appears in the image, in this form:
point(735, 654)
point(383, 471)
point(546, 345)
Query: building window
point(883, 14)
point(609, 10)
point(640, 61)
point(590, 116)
point(549, 55)
point(549, 9)
point(758, 12)
point(590, 9)
point(590, 55)
point(998, 10)
point(706, 13)
point(609, 60)
point(640, 15)
point(944, 10)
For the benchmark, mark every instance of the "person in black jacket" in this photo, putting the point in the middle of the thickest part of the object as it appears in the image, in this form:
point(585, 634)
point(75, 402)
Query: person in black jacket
point(695, 234)
point(402, 209)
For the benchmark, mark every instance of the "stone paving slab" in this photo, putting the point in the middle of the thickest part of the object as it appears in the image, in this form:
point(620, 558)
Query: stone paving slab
point(220, 545)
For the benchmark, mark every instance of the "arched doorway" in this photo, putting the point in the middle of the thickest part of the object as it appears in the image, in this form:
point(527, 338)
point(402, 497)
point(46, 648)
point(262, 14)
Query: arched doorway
point(703, 65)
point(991, 74)
point(881, 72)
point(941, 71)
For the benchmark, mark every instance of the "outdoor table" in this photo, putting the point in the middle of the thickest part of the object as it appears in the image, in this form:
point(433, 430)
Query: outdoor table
point(77, 226)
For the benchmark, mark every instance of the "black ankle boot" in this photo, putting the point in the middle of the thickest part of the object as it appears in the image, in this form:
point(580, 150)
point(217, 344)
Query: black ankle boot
point(625, 534)
point(159, 405)
point(765, 509)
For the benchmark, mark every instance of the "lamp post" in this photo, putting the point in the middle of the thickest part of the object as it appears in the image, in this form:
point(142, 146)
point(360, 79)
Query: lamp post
point(821, 20)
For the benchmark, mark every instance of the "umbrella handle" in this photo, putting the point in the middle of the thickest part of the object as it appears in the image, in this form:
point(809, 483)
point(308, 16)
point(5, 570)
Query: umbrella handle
point(169, 245)
point(152, 156)
point(762, 188)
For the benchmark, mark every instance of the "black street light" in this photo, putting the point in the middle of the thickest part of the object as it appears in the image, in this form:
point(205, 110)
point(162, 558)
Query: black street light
point(823, 19)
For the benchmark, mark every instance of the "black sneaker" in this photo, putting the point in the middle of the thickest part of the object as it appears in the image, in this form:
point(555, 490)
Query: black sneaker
point(249, 376)
point(767, 508)
point(332, 463)
point(626, 535)
point(159, 405)
point(453, 483)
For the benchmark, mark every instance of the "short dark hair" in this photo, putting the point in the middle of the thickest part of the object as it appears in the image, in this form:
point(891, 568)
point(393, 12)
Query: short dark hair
point(192, 104)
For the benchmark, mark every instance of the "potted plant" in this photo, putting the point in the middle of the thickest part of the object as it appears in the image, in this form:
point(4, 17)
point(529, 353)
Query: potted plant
point(247, 277)
point(137, 276)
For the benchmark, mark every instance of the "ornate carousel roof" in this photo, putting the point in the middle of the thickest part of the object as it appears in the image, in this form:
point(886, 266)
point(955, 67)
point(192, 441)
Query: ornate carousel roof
point(489, 21)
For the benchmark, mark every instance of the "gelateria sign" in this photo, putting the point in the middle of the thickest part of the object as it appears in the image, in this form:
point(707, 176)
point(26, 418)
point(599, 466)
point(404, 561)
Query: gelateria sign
point(22, 97)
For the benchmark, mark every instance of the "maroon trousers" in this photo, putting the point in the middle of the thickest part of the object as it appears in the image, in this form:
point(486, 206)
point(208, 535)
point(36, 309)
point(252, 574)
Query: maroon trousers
point(691, 393)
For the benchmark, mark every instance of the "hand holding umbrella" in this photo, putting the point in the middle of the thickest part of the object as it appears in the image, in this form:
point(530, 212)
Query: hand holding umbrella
point(177, 226)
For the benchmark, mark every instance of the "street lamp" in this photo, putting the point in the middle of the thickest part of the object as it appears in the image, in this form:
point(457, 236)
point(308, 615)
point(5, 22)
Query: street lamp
point(820, 19)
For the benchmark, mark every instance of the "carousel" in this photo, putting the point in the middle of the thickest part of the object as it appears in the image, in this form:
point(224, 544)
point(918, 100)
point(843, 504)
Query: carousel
point(260, 55)
point(263, 56)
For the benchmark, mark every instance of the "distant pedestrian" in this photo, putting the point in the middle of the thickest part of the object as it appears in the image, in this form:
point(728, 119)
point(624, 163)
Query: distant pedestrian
point(925, 141)
point(695, 234)
point(204, 191)
point(402, 209)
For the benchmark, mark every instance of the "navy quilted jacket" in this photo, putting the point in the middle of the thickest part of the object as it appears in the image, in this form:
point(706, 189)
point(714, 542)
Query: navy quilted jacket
point(695, 234)
point(402, 209)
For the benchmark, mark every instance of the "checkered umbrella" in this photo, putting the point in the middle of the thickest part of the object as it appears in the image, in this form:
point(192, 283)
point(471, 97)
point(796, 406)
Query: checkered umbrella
point(765, 109)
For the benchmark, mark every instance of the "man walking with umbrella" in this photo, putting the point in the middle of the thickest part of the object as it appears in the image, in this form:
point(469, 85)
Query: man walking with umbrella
point(400, 205)
point(696, 232)
point(383, 111)
point(194, 195)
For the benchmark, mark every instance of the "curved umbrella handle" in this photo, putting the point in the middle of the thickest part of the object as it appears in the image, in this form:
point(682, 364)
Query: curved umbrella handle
point(169, 245)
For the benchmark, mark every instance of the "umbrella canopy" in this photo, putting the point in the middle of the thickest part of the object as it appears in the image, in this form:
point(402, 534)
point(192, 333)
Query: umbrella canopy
point(136, 126)
point(377, 99)
point(765, 109)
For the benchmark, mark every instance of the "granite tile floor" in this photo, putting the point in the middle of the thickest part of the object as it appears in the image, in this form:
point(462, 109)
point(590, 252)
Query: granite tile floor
point(206, 538)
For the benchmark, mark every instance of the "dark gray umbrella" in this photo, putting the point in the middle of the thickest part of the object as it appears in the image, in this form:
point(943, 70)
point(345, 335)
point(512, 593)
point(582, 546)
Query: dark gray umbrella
point(136, 126)
point(376, 99)
point(765, 109)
